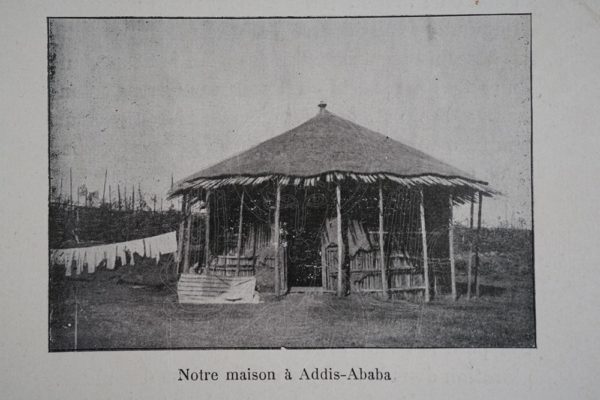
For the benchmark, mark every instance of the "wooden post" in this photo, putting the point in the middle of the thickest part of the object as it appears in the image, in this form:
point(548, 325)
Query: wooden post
point(188, 236)
point(477, 238)
point(133, 198)
point(207, 233)
point(424, 241)
point(71, 186)
point(76, 319)
point(239, 239)
point(181, 234)
point(451, 245)
point(384, 281)
point(276, 234)
point(119, 195)
point(340, 240)
point(104, 187)
point(470, 264)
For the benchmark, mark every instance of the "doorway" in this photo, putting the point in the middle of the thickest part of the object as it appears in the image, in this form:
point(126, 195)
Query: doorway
point(303, 212)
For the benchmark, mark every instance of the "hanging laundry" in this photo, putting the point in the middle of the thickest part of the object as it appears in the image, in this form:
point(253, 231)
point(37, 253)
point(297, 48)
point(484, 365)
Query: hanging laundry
point(68, 261)
point(93, 261)
point(121, 255)
point(77, 258)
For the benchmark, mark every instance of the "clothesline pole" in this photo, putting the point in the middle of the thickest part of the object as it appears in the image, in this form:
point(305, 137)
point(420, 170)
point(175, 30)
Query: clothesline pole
point(239, 239)
point(76, 319)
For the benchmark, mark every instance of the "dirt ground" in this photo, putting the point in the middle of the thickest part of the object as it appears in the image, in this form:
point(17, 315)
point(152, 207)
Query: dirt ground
point(137, 309)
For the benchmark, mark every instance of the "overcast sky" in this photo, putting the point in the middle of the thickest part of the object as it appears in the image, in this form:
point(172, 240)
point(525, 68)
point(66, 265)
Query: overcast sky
point(149, 98)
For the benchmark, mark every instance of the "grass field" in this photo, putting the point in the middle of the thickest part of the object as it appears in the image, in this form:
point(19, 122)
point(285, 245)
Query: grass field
point(136, 308)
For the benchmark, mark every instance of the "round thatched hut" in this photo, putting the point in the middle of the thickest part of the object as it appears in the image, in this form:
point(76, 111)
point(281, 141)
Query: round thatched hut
point(329, 205)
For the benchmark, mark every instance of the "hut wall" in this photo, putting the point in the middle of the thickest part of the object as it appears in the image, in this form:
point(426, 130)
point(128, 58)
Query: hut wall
point(403, 248)
point(365, 271)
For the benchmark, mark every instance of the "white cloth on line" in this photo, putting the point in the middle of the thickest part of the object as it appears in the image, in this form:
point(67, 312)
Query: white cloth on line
point(92, 256)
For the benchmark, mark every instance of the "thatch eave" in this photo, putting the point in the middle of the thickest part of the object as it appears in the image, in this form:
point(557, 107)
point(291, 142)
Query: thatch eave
point(421, 180)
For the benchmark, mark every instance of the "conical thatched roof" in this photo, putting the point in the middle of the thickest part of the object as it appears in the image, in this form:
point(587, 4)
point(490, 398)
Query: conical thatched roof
point(329, 147)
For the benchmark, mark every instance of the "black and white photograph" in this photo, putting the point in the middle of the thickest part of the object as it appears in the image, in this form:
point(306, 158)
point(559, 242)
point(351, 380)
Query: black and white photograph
point(297, 183)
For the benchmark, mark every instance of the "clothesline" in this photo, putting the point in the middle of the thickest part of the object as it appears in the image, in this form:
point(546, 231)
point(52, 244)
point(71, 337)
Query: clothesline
point(74, 259)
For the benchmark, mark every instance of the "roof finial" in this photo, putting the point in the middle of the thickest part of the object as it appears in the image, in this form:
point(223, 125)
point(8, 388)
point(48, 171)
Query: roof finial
point(322, 106)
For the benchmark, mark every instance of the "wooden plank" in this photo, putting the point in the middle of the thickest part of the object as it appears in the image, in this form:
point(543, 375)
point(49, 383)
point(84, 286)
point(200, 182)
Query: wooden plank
point(203, 283)
point(340, 247)
point(470, 263)
point(403, 289)
point(424, 241)
point(239, 239)
point(203, 287)
point(384, 282)
point(276, 239)
point(451, 245)
point(477, 239)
